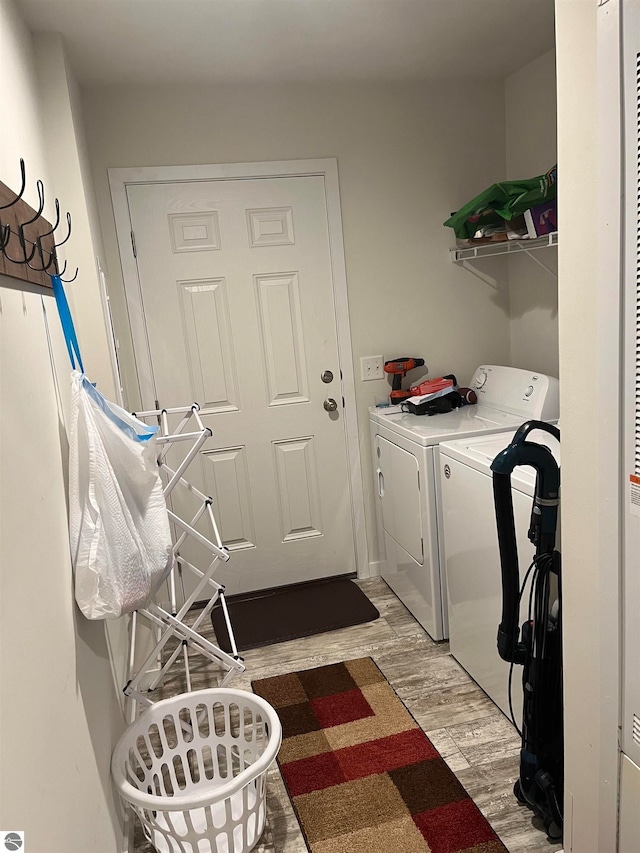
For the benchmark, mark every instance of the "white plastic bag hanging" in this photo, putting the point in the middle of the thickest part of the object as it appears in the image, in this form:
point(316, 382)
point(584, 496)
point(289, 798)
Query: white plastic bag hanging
point(121, 545)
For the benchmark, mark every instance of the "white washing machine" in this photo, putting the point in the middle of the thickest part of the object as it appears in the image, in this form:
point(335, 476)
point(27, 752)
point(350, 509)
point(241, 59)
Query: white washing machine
point(406, 466)
point(473, 575)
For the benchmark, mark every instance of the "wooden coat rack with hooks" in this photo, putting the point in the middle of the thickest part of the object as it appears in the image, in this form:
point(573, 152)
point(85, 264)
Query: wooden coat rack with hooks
point(28, 241)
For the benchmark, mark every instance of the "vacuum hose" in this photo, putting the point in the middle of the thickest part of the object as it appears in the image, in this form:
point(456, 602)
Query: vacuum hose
point(509, 630)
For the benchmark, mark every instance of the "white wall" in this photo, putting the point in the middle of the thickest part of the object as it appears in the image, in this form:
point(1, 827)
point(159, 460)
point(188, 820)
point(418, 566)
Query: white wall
point(62, 121)
point(408, 155)
point(67, 158)
point(588, 315)
point(531, 138)
point(59, 712)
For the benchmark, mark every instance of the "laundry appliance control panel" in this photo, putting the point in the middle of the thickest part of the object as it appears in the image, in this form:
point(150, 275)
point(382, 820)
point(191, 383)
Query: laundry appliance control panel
point(519, 392)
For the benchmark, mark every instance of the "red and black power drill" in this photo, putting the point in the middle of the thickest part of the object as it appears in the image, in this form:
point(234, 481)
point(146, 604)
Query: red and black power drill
point(399, 368)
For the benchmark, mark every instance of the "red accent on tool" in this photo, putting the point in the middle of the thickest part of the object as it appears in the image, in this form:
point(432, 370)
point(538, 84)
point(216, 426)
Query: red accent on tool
point(430, 386)
point(398, 368)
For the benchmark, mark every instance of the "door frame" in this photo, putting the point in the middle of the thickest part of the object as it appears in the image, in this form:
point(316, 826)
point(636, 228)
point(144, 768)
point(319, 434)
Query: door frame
point(120, 179)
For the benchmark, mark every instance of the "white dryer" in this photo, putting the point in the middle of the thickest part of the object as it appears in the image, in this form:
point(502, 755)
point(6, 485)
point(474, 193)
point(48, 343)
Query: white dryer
point(406, 466)
point(473, 575)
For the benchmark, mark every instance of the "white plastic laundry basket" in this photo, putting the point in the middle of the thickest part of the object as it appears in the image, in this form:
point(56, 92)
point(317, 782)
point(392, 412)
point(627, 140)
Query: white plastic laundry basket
point(194, 769)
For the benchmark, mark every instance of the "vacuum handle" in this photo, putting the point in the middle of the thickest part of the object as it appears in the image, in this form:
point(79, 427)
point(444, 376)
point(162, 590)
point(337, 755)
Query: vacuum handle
point(525, 429)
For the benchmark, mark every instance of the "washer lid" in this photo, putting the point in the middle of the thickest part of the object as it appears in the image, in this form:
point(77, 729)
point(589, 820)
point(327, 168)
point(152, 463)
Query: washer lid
point(480, 451)
point(432, 429)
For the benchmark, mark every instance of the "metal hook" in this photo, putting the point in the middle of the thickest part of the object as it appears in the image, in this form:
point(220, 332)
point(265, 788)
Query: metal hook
point(40, 187)
point(36, 245)
point(45, 265)
point(22, 188)
point(24, 249)
point(20, 233)
point(68, 232)
point(53, 258)
point(69, 280)
point(5, 236)
point(49, 233)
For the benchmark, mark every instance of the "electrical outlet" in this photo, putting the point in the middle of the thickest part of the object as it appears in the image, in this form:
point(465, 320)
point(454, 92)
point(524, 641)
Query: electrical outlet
point(371, 367)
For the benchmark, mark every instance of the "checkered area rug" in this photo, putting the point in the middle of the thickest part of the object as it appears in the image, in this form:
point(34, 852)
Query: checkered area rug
point(363, 777)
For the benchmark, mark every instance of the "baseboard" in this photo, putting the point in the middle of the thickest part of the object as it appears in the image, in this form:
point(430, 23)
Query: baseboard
point(375, 568)
point(198, 605)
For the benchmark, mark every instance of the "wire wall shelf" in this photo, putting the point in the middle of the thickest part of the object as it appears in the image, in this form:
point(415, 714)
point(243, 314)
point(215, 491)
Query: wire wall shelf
point(508, 247)
point(462, 254)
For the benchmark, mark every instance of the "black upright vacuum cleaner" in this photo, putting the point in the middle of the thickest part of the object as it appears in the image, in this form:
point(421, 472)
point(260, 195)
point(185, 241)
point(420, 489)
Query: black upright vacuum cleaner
point(538, 649)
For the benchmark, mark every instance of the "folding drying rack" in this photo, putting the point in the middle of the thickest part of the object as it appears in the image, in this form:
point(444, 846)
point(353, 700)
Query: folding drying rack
point(170, 624)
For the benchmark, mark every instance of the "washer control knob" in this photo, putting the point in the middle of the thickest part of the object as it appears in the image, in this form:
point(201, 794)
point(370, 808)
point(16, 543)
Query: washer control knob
point(529, 391)
point(480, 379)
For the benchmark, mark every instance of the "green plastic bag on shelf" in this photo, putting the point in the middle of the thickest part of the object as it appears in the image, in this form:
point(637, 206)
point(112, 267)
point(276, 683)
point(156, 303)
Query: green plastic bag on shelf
point(502, 202)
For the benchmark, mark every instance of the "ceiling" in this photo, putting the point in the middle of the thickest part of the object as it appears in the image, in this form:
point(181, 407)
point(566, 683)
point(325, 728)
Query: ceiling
point(267, 41)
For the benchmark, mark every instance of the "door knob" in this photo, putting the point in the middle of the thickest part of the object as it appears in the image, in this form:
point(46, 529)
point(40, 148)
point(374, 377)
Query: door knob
point(330, 405)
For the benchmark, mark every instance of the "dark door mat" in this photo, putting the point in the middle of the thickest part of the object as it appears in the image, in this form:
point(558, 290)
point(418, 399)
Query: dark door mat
point(287, 613)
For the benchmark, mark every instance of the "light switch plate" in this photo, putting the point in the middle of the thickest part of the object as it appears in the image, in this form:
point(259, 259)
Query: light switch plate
point(371, 367)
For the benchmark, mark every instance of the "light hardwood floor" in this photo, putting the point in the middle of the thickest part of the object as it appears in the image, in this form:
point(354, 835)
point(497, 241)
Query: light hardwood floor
point(473, 736)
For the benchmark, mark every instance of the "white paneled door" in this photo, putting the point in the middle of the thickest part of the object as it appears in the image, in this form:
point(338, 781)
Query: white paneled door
point(237, 299)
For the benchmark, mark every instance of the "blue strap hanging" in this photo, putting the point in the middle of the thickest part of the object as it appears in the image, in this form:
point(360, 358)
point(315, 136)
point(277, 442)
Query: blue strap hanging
point(67, 323)
point(135, 429)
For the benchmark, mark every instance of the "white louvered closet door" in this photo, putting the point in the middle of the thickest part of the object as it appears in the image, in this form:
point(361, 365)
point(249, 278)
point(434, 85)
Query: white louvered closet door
point(631, 581)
